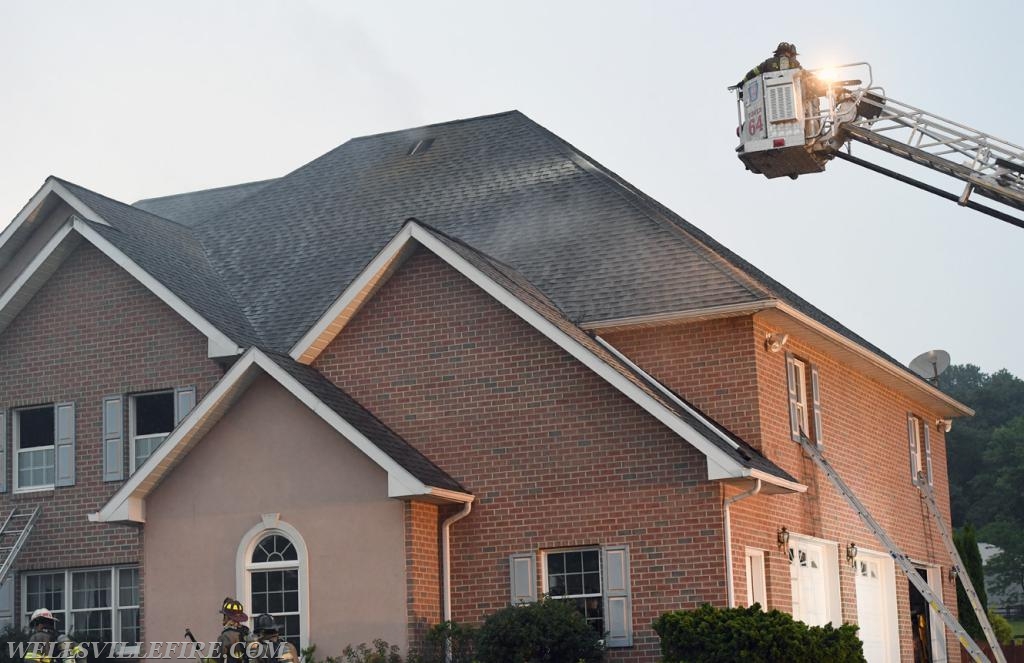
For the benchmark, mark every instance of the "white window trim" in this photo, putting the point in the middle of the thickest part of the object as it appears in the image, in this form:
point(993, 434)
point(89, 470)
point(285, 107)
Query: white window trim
point(800, 382)
point(68, 612)
point(748, 555)
point(544, 552)
point(830, 570)
point(270, 523)
point(131, 426)
point(890, 610)
point(16, 448)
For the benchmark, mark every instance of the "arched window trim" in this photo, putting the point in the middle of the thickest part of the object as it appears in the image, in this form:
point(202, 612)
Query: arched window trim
point(271, 524)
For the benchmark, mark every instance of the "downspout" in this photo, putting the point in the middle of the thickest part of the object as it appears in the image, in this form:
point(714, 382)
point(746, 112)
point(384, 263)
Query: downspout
point(446, 560)
point(729, 501)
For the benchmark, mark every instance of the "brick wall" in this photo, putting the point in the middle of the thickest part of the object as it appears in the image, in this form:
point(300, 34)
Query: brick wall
point(723, 368)
point(422, 569)
point(555, 456)
point(90, 332)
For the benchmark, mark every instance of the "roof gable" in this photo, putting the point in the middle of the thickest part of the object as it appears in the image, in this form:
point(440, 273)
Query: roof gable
point(87, 223)
point(410, 474)
point(727, 456)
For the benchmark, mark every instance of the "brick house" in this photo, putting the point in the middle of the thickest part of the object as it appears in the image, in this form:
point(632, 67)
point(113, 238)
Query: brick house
point(429, 373)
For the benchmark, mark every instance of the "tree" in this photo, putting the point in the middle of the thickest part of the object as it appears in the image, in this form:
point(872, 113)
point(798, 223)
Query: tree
point(967, 545)
point(1007, 568)
point(997, 399)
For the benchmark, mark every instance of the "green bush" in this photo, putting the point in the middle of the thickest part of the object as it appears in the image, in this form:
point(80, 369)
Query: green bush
point(11, 634)
point(716, 635)
point(380, 652)
point(462, 639)
point(548, 631)
point(1002, 628)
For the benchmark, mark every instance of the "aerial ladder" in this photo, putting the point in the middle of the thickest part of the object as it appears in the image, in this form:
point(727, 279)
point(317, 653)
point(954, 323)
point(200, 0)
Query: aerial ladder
point(904, 562)
point(794, 121)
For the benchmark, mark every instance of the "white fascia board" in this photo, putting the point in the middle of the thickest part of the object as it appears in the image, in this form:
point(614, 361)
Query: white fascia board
point(50, 186)
point(720, 464)
point(26, 274)
point(219, 344)
point(728, 466)
point(401, 483)
point(307, 350)
point(128, 503)
point(134, 488)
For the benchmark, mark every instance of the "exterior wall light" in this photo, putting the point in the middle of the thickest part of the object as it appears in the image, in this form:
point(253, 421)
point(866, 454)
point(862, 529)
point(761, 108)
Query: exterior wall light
point(774, 342)
point(851, 554)
point(782, 538)
point(953, 574)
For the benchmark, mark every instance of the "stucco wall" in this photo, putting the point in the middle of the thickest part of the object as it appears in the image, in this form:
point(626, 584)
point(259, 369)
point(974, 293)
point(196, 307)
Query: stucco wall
point(270, 453)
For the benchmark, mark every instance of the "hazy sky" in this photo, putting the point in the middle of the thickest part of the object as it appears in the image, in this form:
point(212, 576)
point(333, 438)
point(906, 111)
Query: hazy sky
point(140, 99)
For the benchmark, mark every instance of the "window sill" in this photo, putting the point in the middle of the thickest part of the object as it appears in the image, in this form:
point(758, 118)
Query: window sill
point(33, 489)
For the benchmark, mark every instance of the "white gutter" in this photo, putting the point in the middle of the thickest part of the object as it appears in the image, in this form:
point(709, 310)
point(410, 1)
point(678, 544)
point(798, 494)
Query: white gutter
point(726, 503)
point(446, 560)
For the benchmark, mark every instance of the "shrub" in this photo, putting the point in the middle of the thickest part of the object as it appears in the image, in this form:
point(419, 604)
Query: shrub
point(1002, 628)
point(715, 635)
point(548, 631)
point(7, 635)
point(463, 644)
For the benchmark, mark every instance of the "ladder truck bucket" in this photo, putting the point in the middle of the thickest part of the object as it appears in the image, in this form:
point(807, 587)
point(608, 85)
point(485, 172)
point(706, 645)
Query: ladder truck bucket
point(779, 124)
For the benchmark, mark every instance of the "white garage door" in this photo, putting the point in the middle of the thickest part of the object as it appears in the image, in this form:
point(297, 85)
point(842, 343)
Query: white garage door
point(807, 573)
point(876, 607)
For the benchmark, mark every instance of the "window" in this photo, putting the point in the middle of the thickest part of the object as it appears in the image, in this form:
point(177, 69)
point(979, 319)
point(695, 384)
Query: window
point(34, 460)
point(919, 437)
point(596, 580)
point(916, 448)
point(103, 602)
point(575, 575)
point(274, 583)
point(799, 379)
point(800, 375)
point(152, 420)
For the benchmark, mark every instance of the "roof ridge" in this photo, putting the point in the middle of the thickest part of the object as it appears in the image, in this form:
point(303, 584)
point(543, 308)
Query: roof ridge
point(446, 123)
point(188, 233)
point(136, 210)
point(197, 191)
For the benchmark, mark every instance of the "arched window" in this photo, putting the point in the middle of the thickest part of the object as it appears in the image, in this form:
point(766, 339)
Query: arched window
point(273, 578)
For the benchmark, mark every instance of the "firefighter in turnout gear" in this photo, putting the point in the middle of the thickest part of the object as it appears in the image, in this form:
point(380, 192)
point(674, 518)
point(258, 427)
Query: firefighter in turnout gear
point(783, 58)
point(44, 636)
point(68, 650)
point(274, 650)
point(231, 643)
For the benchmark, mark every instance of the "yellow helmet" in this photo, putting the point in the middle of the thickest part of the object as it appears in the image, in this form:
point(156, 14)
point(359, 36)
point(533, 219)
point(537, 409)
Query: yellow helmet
point(233, 609)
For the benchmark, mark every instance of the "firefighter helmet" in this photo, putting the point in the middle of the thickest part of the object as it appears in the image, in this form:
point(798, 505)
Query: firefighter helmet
point(41, 614)
point(234, 610)
point(265, 624)
point(785, 48)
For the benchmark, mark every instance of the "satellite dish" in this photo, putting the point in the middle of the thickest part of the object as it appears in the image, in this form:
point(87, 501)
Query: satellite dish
point(930, 365)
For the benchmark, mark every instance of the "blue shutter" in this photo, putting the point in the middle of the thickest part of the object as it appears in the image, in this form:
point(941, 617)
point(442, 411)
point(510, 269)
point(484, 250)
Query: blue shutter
point(113, 438)
point(3, 450)
point(64, 444)
point(911, 429)
point(523, 577)
point(618, 609)
point(927, 452)
point(184, 401)
point(816, 398)
point(794, 417)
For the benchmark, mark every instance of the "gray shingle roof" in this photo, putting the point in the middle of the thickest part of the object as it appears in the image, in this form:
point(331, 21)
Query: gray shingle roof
point(198, 206)
point(264, 260)
point(171, 254)
point(383, 437)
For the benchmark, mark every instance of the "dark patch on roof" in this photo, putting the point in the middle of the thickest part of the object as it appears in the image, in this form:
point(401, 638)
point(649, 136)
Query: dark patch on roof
point(383, 437)
point(195, 207)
